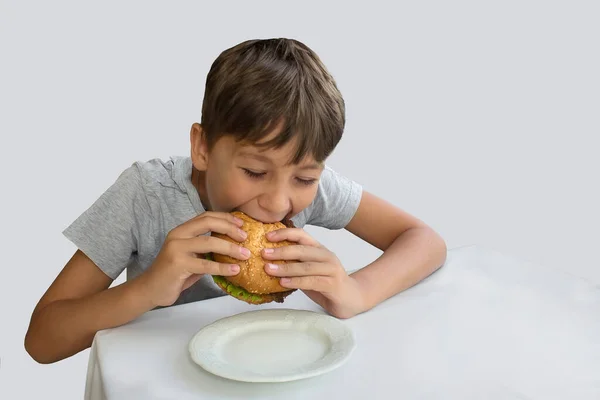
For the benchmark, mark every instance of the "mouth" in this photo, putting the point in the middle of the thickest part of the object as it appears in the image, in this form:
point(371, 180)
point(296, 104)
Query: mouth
point(287, 221)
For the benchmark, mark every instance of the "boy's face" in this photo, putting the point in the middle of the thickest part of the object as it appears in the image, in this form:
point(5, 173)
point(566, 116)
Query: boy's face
point(258, 182)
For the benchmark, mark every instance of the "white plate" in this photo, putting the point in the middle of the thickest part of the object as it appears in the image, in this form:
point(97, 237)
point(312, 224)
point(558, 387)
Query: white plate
point(274, 345)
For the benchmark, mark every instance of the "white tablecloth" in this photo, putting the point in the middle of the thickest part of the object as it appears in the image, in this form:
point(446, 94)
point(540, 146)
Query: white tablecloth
point(485, 326)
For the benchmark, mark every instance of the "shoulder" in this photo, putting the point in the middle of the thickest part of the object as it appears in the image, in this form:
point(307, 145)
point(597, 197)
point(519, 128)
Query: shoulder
point(331, 180)
point(158, 178)
point(142, 184)
point(136, 180)
point(157, 171)
point(129, 214)
point(335, 202)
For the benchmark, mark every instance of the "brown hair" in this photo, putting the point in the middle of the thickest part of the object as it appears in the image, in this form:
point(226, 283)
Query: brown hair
point(257, 85)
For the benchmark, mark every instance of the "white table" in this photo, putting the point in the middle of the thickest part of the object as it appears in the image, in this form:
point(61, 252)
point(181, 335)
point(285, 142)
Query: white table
point(485, 326)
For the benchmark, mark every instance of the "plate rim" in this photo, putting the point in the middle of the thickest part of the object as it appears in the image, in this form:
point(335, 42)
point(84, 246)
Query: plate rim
point(348, 349)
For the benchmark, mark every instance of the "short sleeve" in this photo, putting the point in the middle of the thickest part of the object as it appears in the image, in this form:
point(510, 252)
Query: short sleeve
point(108, 231)
point(336, 202)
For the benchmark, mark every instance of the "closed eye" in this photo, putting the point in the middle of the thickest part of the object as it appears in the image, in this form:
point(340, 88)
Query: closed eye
point(258, 175)
point(253, 174)
point(306, 182)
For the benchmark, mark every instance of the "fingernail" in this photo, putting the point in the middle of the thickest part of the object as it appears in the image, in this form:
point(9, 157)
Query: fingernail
point(273, 267)
point(271, 234)
point(245, 251)
point(269, 251)
point(285, 280)
point(234, 268)
point(238, 221)
point(243, 233)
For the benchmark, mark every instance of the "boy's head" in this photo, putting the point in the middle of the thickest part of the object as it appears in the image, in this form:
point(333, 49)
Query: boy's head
point(271, 116)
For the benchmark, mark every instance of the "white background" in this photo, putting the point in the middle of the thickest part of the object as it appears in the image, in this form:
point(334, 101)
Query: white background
point(482, 120)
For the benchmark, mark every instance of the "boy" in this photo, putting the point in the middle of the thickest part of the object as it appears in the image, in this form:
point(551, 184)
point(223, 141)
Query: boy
point(271, 116)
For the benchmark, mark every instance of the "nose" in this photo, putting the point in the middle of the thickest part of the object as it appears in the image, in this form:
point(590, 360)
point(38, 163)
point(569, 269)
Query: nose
point(275, 202)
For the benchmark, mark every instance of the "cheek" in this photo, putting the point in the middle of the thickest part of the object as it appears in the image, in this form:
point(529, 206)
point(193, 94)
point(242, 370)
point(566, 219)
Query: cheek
point(233, 195)
point(231, 191)
point(303, 198)
point(218, 190)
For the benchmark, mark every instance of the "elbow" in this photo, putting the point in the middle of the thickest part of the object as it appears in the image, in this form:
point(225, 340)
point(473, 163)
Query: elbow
point(434, 246)
point(440, 249)
point(35, 349)
point(31, 350)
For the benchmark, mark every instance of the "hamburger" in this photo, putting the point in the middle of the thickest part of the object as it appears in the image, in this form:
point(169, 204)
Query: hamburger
point(252, 284)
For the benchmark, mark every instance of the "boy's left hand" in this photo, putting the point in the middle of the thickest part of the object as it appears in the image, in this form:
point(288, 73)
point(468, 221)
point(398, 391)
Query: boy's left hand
point(317, 271)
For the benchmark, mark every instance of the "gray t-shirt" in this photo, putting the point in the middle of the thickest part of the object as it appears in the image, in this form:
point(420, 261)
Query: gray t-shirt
point(125, 228)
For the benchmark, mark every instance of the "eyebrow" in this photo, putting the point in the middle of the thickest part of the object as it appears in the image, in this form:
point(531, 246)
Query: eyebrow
point(256, 156)
point(266, 159)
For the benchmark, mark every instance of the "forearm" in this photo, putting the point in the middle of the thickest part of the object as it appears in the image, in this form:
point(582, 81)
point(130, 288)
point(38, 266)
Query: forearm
point(413, 256)
point(66, 327)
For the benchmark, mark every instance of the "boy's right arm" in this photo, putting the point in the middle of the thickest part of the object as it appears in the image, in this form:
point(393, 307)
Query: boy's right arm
point(77, 305)
point(79, 302)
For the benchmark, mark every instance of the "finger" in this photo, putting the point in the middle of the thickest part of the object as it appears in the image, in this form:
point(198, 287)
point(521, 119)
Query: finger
point(297, 253)
point(297, 235)
point(203, 266)
point(211, 244)
point(212, 223)
point(300, 269)
point(321, 284)
point(223, 215)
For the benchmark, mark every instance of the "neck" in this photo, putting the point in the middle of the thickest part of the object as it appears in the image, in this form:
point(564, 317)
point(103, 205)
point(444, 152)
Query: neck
point(199, 181)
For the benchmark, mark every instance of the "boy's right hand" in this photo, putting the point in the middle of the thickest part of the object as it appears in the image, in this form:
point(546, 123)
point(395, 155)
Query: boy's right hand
point(181, 263)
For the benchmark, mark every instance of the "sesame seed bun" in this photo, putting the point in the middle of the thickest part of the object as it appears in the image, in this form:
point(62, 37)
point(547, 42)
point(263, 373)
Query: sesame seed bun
point(253, 285)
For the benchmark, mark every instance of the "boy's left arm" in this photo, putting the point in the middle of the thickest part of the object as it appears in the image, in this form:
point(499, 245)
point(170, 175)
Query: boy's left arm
point(411, 250)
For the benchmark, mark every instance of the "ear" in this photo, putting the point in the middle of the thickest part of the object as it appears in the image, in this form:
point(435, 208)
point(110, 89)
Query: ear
point(199, 147)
